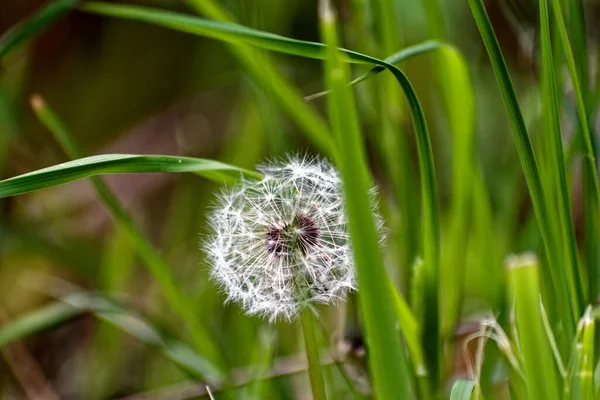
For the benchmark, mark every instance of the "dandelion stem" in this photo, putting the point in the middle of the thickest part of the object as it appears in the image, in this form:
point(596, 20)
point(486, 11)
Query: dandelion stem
point(312, 354)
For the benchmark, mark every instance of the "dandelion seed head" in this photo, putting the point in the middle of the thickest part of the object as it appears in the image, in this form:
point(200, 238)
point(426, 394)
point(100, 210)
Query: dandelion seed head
point(281, 244)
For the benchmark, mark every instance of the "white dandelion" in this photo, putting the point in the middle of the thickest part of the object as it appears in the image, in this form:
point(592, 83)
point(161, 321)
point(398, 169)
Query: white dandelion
point(281, 244)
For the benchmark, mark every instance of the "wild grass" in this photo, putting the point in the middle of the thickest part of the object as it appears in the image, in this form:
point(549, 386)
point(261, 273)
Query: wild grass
point(449, 307)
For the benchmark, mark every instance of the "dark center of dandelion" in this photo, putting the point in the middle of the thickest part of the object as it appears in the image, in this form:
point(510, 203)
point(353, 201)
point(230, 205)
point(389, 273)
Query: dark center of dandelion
point(300, 234)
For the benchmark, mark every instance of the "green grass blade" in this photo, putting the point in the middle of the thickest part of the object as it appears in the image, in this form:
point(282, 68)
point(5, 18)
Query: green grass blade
point(387, 362)
point(528, 162)
point(538, 364)
point(430, 221)
point(586, 367)
point(36, 321)
point(402, 55)
point(315, 371)
point(462, 390)
point(118, 164)
point(551, 120)
point(410, 329)
point(221, 30)
point(29, 27)
point(459, 98)
point(591, 184)
point(155, 263)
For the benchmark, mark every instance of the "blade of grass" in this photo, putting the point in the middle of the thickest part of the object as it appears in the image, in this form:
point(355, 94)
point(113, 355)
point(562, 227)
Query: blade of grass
point(538, 365)
point(31, 26)
point(459, 99)
point(403, 55)
point(586, 367)
point(392, 138)
point(410, 329)
point(462, 390)
point(156, 265)
point(591, 185)
point(118, 164)
point(567, 245)
point(529, 164)
point(225, 31)
point(386, 359)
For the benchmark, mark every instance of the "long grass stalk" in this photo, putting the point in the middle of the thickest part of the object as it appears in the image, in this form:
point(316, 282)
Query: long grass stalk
point(551, 122)
point(565, 304)
point(387, 361)
point(591, 195)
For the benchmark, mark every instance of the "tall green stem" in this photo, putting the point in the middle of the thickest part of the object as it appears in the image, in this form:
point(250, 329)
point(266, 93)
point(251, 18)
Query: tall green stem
point(312, 354)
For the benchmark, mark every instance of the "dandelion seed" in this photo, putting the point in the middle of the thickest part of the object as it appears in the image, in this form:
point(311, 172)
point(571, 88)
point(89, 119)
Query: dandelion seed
point(281, 244)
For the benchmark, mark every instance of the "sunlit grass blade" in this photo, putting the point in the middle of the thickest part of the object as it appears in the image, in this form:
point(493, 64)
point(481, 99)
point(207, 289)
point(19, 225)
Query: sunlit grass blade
point(586, 365)
point(387, 361)
point(29, 27)
point(462, 390)
point(155, 263)
point(36, 321)
point(402, 55)
point(118, 164)
point(459, 98)
point(538, 364)
point(529, 164)
point(410, 329)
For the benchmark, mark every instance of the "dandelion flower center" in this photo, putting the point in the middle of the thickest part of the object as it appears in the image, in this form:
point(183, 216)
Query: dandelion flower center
point(299, 235)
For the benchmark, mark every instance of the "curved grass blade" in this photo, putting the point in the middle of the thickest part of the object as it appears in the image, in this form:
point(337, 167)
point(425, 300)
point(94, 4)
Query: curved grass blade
point(529, 164)
point(462, 390)
point(118, 164)
point(402, 55)
point(430, 220)
point(225, 31)
point(386, 358)
point(34, 24)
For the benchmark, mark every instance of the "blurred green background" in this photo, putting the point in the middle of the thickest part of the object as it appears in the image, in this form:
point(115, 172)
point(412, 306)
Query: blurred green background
point(129, 87)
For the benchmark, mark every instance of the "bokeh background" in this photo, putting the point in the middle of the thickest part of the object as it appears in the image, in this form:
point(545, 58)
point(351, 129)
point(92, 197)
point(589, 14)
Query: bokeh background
point(128, 87)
